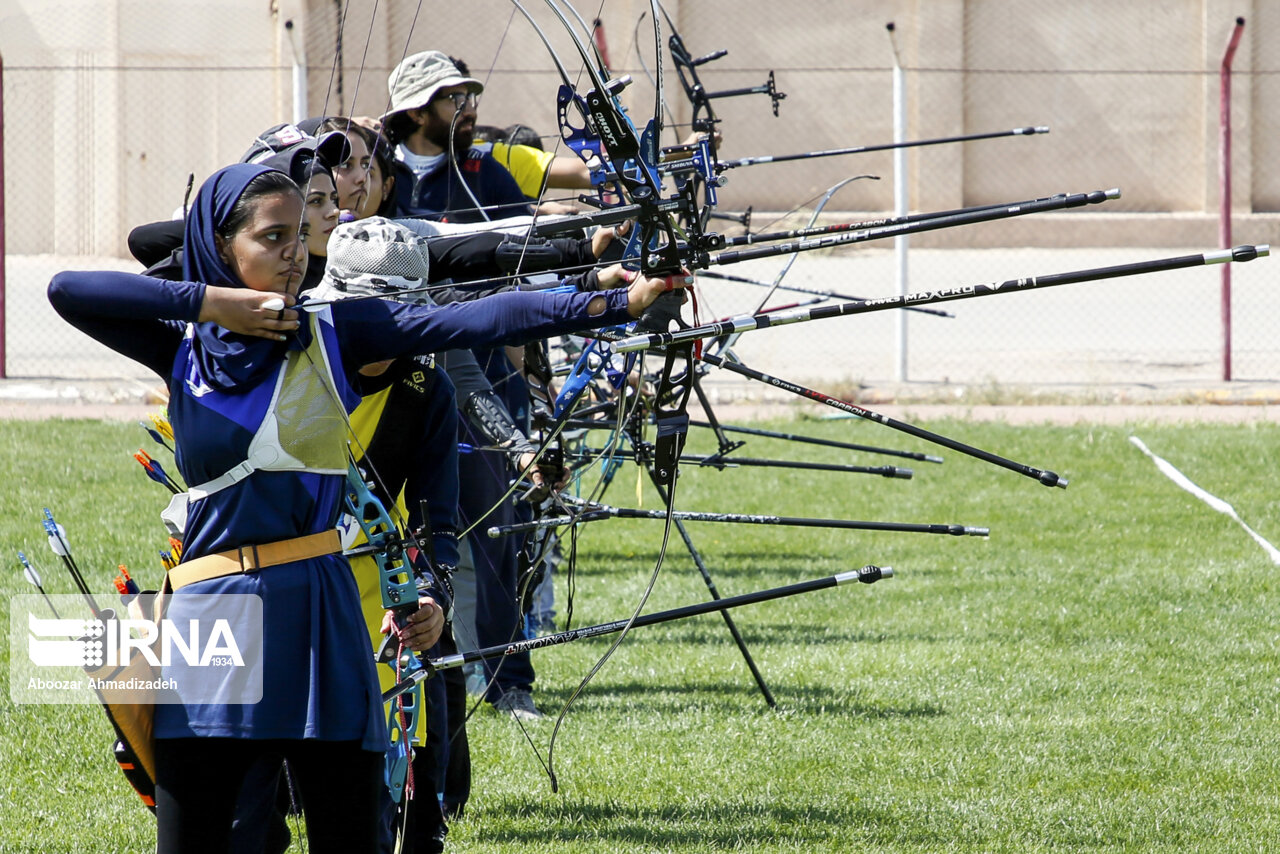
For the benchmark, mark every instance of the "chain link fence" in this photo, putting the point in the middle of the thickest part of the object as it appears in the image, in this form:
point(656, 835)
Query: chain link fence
point(102, 128)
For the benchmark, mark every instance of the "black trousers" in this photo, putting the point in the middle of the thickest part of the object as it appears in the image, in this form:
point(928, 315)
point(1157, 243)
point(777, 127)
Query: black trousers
point(198, 779)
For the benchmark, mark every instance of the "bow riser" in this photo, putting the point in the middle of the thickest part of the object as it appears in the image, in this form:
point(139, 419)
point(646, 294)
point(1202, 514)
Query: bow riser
point(400, 596)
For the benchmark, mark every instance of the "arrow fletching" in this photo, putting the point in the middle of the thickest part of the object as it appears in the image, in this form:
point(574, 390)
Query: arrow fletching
point(30, 572)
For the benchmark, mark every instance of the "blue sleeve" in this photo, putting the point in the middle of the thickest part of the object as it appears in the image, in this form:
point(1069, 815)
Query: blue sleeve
point(137, 316)
point(371, 330)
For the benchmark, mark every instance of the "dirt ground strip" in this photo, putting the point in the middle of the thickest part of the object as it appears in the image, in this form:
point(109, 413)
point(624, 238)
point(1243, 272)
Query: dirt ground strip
point(131, 399)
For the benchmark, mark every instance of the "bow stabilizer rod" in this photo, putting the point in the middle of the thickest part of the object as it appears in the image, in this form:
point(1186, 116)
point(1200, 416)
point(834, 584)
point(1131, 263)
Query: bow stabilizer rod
point(1048, 478)
point(840, 227)
point(763, 321)
point(867, 575)
point(920, 224)
point(596, 512)
point(722, 461)
point(826, 443)
point(859, 149)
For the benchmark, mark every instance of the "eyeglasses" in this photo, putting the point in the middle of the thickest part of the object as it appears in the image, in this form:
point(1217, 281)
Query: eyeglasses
point(461, 99)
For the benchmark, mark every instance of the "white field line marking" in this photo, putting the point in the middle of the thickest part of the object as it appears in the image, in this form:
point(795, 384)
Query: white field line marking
point(1212, 500)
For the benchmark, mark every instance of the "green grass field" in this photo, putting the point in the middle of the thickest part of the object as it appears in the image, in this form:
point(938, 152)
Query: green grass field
point(1100, 675)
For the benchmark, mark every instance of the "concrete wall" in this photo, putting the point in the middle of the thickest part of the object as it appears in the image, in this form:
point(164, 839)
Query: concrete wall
point(109, 104)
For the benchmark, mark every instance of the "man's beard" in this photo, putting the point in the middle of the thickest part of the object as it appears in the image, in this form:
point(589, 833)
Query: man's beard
point(436, 131)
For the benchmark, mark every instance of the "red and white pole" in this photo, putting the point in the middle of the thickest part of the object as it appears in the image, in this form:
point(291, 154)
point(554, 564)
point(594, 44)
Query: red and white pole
point(1224, 179)
point(597, 36)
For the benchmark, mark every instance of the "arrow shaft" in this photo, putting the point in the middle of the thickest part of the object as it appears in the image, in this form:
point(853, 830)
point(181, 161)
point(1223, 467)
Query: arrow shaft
point(1046, 477)
point(826, 443)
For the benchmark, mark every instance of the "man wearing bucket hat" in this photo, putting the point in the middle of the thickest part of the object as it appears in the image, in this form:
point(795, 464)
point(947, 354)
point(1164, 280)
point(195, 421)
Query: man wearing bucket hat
point(430, 123)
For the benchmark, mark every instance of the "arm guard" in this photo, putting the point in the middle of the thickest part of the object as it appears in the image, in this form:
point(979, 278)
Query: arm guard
point(486, 411)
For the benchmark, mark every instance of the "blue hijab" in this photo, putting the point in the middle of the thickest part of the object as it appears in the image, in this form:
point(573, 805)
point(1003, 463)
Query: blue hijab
point(228, 361)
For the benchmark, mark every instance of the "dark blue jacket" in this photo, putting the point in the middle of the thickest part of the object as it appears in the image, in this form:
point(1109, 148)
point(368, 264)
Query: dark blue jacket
point(439, 193)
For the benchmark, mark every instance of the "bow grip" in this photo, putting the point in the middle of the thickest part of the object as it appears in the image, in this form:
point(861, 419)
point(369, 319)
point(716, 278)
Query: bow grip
point(671, 401)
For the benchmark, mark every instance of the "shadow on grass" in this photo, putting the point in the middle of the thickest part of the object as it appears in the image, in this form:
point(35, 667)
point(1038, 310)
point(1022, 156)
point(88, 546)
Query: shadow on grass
point(821, 701)
point(720, 826)
point(735, 697)
point(607, 561)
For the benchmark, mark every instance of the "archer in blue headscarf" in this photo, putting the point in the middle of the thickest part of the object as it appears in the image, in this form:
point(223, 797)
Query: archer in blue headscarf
point(265, 455)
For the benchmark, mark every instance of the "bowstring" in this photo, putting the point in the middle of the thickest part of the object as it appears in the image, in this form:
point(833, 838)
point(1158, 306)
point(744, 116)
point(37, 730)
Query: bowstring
point(813, 218)
point(404, 52)
point(302, 222)
point(555, 149)
point(606, 457)
point(547, 440)
point(393, 509)
point(671, 491)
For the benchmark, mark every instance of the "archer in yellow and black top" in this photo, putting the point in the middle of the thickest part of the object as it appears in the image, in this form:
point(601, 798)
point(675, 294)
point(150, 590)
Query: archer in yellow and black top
point(405, 433)
point(404, 437)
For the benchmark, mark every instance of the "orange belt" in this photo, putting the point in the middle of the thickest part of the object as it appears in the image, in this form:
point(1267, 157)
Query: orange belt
point(253, 558)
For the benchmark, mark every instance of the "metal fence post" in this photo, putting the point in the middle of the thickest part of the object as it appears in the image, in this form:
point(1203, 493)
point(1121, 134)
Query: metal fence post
point(900, 202)
point(1224, 179)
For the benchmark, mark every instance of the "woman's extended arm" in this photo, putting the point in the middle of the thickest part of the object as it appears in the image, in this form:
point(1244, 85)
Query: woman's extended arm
point(373, 330)
point(144, 318)
point(137, 316)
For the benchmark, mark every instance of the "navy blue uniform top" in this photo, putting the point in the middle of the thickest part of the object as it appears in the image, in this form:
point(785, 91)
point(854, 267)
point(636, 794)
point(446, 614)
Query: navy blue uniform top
point(319, 679)
point(145, 318)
